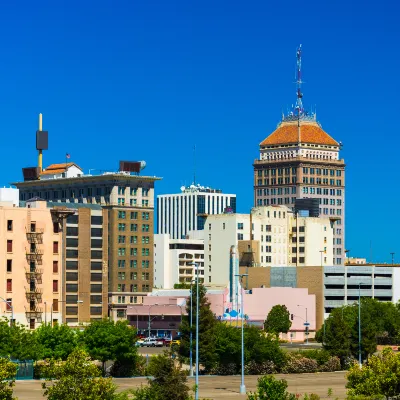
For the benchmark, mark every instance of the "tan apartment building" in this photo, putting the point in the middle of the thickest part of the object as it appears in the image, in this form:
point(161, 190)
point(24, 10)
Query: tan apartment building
point(127, 202)
point(31, 266)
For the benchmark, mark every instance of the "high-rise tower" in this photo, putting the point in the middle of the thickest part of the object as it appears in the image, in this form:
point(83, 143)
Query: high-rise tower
point(300, 160)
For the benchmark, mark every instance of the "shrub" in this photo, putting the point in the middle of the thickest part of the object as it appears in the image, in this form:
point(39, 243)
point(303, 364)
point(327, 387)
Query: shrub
point(269, 388)
point(8, 371)
point(332, 365)
point(226, 369)
point(264, 368)
point(319, 355)
point(299, 365)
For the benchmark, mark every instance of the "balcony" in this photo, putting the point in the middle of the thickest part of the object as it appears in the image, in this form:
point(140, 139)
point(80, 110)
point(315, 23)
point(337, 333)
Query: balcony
point(35, 237)
point(35, 274)
point(334, 303)
point(34, 255)
point(34, 313)
point(33, 293)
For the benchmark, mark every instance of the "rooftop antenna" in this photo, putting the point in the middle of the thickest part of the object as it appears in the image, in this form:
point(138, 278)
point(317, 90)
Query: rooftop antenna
point(194, 165)
point(299, 103)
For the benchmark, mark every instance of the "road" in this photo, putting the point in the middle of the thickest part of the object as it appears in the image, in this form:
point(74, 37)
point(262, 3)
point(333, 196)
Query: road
point(222, 387)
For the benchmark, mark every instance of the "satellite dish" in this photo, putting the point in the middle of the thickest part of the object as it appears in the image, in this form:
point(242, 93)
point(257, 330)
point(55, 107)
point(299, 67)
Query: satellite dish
point(183, 188)
point(142, 165)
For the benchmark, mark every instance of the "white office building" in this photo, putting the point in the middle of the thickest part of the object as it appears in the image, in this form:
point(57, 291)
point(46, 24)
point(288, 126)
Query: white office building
point(177, 214)
point(174, 260)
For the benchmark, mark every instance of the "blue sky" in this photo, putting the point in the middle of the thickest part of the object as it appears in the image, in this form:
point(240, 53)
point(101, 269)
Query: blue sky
point(147, 80)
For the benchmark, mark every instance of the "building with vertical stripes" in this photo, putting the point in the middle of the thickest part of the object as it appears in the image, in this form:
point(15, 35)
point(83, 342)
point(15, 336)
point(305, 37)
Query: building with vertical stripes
point(177, 214)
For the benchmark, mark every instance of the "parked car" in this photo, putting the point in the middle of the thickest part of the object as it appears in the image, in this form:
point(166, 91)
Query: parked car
point(151, 342)
point(176, 340)
point(166, 340)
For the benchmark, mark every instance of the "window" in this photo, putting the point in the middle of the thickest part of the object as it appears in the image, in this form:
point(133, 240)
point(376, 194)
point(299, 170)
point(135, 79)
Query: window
point(133, 191)
point(121, 214)
point(33, 227)
point(121, 287)
point(121, 201)
point(121, 251)
point(9, 285)
point(145, 239)
point(55, 286)
point(240, 226)
point(145, 215)
point(56, 227)
point(145, 263)
point(145, 251)
point(121, 263)
point(121, 227)
point(9, 246)
point(9, 225)
point(133, 276)
point(146, 288)
point(121, 190)
point(9, 265)
point(134, 215)
point(145, 203)
point(145, 192)
point(133, 227)
point(121, 299)
point(55, 267)
point(133, 251)
point(121, 276)
point(32, 323)
point(134, 287)
point(268, 238)
point(133, 263)
point(145, 227)
point(240, 236)
point(133, 239)
point(55, 305)
point(121, 239)
point(55, 247)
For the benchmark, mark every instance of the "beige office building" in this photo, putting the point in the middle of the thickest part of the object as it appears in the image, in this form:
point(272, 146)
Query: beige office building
point(31, 262)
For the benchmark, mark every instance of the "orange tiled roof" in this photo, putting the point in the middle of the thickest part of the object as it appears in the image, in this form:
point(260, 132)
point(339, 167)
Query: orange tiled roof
point(309, 133)
point(57, 168)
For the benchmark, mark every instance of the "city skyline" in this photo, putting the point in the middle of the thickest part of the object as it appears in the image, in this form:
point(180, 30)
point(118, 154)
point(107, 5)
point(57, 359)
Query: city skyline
point(159, 80)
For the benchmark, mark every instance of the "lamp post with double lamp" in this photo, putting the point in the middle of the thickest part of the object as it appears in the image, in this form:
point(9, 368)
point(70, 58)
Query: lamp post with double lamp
point(359, 324)
point(197, 330)
point(191, 328)
point(242, 386)
point(306, 323)
point(9, 304)
point(156, 304)
point(60, 301)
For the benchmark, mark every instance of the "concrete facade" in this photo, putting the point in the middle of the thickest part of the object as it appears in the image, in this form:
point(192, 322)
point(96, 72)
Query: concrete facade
point(173, 258)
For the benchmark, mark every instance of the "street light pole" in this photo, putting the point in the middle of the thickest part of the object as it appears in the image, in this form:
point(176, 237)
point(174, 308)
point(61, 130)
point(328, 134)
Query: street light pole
point(306, 325)
point(191, 329)
point(9, 304)
point(242, 385)
point(156, 304)
point(359, 324)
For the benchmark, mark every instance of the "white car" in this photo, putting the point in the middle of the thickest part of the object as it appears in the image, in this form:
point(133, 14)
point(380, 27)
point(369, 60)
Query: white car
point(151, 342)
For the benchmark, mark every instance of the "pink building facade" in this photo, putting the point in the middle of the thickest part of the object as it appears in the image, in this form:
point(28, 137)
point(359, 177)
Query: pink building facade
point(165, 309)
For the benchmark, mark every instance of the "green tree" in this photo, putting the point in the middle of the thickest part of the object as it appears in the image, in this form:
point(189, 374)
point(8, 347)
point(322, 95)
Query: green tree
point(337, 338)
point(278, 320)
point(18, 342)
point(380, 376)
point(207, 328)
point(57, 341)
point(78, 378)
point(269, 388)
point(108, 340)
point(8, 370)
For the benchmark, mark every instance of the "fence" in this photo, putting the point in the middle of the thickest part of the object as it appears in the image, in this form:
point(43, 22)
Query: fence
point(24, 369)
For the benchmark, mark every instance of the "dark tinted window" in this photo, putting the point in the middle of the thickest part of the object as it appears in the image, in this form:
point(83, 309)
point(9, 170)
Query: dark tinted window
point(96, 243)
point(72, 253)
point(96, 265)
point(96, 299)
point(72, 219)
point(95, 277)
point(71, 310)
point(72, 231)
point(71, 298)
point(96, 254)
point(97, 220)
point(71, 287)
point(72, 242)
point(97, 232)
point(95, 288)
point(95, 310)
point(72, 264)
point(71, 276)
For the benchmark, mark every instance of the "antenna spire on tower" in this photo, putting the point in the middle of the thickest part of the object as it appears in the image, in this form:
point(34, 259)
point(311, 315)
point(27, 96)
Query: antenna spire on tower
point(299, 103)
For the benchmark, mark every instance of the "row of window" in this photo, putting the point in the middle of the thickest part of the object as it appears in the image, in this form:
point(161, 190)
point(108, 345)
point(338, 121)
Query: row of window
point(275, 171)
point(133, 264)
point(133, 239)
point(33, 248)
point(134, 275)
point(132, 299)
point(32, 287)
point(320, 171)
point(121, 287)
point(132, 202)
point(279, 181)
point(133, 251)
point(324, 181)
point(133, 227)
point(133, 191)
point(293, 171)
point(280, 191)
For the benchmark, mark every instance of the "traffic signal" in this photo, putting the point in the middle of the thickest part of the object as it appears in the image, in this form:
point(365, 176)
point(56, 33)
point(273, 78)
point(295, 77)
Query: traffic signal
point(291, 317)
